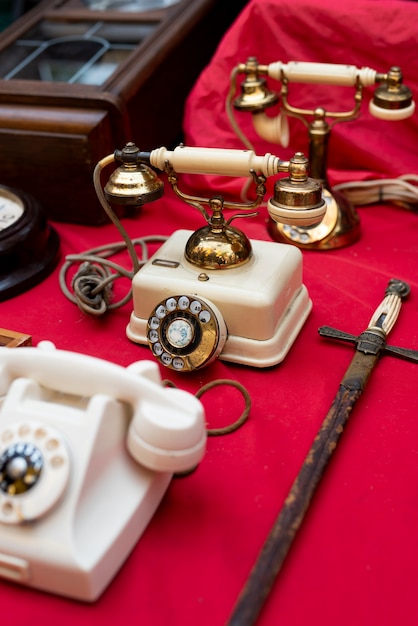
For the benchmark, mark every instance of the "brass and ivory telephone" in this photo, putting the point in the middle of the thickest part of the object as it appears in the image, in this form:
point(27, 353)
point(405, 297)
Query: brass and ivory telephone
point(214, 292)
point(87, 451)
point(392, 100)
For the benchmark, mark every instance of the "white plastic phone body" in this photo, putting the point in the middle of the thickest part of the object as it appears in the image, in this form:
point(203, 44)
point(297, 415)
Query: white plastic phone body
point(100, 443)
point(263, 303)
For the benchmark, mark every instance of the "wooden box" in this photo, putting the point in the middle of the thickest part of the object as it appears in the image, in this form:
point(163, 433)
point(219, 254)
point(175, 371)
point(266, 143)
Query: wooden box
point(76, 83)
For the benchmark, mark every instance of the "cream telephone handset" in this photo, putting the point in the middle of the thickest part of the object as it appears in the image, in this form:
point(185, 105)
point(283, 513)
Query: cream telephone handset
point(87, 450)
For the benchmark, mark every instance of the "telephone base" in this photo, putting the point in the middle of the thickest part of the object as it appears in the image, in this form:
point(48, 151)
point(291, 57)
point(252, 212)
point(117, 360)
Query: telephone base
point(251, 352)
point(87, 451)
point(264, 303)
point(78, 545)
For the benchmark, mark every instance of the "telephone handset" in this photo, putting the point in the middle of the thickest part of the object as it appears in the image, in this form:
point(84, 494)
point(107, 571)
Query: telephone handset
point(73, 501)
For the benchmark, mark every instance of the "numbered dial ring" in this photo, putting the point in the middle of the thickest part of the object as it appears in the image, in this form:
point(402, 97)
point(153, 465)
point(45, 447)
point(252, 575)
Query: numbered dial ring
point(186, 332)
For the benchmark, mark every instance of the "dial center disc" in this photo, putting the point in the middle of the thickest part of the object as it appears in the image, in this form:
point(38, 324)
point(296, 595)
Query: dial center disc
point(180, 333)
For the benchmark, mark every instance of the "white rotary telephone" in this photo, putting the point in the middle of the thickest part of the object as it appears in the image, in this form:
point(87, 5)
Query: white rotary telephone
point(87, 450)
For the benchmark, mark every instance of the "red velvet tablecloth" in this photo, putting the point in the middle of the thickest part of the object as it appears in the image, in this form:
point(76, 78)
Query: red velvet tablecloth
point(354, 560)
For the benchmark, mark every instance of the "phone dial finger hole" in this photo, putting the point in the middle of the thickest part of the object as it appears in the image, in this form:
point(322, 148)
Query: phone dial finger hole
point(7, 509)
point(6, 436)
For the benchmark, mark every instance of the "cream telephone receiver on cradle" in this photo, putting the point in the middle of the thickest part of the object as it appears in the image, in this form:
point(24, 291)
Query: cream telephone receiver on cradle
point(392, 100)
point(214, 292)
point(87, 450)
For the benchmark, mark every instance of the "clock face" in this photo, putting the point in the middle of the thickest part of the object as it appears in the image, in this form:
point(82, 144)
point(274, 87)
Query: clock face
point(11, 209)
point(29, 246)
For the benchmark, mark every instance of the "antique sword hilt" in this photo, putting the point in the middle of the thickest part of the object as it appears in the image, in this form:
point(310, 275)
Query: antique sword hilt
point(373, 339)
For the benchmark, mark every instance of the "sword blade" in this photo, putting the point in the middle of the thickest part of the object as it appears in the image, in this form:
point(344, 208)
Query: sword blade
point(276, 547)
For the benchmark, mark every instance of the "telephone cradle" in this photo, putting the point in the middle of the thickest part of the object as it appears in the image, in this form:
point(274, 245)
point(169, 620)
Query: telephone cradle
point(87, 451)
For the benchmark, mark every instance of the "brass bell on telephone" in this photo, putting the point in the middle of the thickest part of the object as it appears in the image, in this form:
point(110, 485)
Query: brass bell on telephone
point(133, 183)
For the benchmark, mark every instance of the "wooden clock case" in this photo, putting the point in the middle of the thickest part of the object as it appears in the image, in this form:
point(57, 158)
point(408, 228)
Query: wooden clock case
point(52, 133)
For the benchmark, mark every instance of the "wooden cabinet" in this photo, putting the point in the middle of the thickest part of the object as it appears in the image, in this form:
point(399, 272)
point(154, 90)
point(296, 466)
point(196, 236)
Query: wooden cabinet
point(76, 83)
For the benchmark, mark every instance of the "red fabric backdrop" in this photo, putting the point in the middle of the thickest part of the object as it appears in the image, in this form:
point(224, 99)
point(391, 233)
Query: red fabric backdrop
point(355, 558)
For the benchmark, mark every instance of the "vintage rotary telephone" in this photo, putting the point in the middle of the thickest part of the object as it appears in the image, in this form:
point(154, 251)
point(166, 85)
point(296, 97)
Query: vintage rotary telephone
point(214, 293)
point(392, 100)
point(87, 450)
